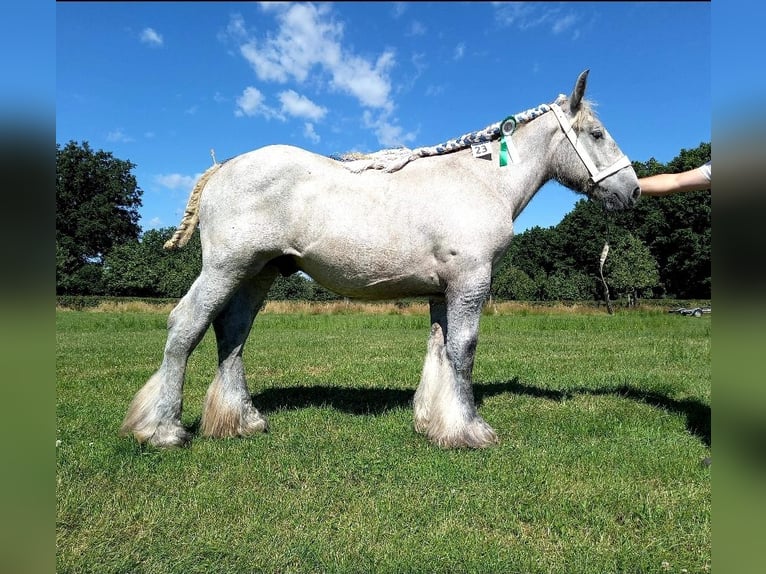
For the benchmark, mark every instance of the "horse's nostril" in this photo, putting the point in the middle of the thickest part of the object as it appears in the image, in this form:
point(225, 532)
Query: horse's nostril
point(636, 193)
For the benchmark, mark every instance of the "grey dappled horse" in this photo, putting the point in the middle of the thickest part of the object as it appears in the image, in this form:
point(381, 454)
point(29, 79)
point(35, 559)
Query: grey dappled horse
point(433, 229)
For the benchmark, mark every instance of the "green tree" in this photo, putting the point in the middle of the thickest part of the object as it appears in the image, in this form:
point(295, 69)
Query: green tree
point(291, 288)
point(525, 266)
point(180, 267)
point(568, 286)
point(97, 201)
point(581, 235)
point(532, 251)
point(513, 284)
point(676, 228)
point(143, 268)
point(300, 287)
point(128, 271)
point(630, 270)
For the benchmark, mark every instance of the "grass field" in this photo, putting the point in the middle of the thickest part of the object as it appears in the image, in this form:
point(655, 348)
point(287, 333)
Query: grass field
point(603, 421)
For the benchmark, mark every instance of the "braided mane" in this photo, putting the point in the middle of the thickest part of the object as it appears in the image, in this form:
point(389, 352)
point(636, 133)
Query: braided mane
point(394, 159)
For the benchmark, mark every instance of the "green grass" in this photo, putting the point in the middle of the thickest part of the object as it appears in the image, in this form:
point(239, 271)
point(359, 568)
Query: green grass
point(603, 422)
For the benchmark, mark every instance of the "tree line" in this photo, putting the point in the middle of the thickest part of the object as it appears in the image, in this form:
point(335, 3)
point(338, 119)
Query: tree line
point(658, 249)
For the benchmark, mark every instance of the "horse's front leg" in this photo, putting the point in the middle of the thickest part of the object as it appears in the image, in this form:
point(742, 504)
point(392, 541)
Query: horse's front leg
point(436, 369)
point(444, 404)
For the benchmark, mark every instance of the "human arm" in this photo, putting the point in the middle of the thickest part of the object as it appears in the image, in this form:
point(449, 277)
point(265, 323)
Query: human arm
point(667, 183)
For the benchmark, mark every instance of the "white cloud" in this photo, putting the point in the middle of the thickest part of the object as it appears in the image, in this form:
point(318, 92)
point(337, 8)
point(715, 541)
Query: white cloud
point(118, 135)
point(563, 23)
point(272, 6)
point(236, 27)
point(419, 61)
point(369, 84)
point(264, 62)
point(519, 14)
point(176, 181)
point(432, 90)
point(151, 37)
point(459, 51)
point(399, 8)
point(388, 133)
point(308, 38)
point(155, 222)
point(526, 15)
point(416, 29)
point(251, 103)
point(308, 131)
point(306, 48)
point(294, 104)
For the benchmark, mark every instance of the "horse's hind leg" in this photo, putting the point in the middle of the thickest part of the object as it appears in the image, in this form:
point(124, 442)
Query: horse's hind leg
point(228, 409)
point(154, 415)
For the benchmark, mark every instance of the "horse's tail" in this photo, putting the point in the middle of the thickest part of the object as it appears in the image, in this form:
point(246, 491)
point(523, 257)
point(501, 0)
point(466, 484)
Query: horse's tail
point(188, 224)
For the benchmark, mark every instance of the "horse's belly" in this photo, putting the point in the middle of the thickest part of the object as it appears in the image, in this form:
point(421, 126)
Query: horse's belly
point(373, 278)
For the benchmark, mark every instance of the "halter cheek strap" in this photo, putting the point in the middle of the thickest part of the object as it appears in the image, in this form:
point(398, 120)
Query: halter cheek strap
point(595, 175)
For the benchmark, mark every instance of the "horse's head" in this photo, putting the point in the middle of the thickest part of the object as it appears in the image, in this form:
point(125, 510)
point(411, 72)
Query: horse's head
point(590, 160)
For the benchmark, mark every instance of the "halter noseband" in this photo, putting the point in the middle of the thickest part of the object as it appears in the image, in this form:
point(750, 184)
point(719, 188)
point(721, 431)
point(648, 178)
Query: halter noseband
point(595, 175)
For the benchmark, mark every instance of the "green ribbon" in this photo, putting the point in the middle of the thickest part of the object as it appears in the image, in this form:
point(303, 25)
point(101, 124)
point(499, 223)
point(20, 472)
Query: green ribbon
point(504, 155)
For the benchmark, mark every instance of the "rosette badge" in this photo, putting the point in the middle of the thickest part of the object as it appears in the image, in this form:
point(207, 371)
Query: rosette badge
point(508, 126)
point(507, 150)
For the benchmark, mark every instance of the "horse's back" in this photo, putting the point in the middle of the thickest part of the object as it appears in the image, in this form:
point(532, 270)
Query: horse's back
point(278, 156)
point(264, 172)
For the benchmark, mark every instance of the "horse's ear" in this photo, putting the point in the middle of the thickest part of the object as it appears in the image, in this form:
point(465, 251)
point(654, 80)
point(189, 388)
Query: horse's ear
point(578, 92)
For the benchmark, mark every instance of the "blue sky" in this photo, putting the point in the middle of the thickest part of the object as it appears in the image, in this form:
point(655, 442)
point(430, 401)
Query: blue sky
point(160, 84)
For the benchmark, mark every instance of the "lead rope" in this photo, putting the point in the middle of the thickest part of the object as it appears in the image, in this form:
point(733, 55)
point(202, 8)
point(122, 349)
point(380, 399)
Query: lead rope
point(604, 253)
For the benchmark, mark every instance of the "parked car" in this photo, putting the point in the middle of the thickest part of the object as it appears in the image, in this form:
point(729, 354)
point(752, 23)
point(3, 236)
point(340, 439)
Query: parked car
point(691, 311)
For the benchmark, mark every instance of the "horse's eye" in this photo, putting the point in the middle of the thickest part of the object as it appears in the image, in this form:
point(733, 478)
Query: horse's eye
point(597, 134)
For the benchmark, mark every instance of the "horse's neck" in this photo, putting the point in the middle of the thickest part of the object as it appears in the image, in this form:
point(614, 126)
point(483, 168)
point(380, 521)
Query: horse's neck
point(534, 143)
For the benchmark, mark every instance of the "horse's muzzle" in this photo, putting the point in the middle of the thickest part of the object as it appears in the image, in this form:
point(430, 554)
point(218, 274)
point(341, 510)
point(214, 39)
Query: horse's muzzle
point(619, 201)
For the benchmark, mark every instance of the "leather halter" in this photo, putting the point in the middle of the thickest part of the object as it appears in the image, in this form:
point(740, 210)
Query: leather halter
point(595, 175)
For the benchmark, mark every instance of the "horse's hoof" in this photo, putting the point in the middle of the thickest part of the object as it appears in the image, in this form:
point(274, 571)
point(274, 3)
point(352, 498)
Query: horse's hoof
point(167, 436)
point(421, 426)
point(254, 423)
point(234, 422)
point(170, 436)
point(476, 434)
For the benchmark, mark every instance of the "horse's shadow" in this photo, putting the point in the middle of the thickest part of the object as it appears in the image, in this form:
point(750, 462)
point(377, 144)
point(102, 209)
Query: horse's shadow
point(697, 414)
point(378, 401)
